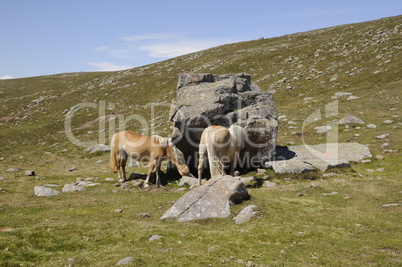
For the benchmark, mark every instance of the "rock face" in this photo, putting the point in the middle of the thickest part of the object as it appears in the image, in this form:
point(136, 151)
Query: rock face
point(211, 200)
point(207, 99)
point(299, 159)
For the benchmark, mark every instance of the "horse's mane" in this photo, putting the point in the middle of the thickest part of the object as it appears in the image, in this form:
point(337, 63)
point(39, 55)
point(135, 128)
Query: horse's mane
point(240, 135)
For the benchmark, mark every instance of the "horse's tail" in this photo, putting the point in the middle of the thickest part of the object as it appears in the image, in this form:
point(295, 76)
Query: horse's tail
point(215, 165)
point(113, 151)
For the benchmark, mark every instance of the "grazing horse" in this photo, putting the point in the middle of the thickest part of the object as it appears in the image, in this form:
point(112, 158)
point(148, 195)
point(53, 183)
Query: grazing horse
point(153, 149)
point(222, 146)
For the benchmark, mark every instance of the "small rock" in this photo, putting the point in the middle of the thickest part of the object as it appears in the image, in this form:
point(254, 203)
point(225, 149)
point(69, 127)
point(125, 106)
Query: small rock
point(330, 194)
point(72, 169)
point(144, 215)
point(72, 187)
point(187, 180)
point(388, 121)
point(246, 214)
point(352, 97)
point(42, 191)
point(392, 205)
point(371, 126)
point(364, 161)
point(350, 119)
point(261, 171)
point(29, 173)
point(269, 184)
point(118, 210)
point(109, 179)
point(155, 237)
point(300, 194)
point(126, 260)
point(379, 157)
point(383, 136)
point(385, 145)
point(13, 170)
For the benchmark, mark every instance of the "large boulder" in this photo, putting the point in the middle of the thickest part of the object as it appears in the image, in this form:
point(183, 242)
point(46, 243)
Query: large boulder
point(211, 200)
point(205, 99)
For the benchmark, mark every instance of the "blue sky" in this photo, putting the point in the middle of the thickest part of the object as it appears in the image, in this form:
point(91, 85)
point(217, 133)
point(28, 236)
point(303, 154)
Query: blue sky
point(41, 37)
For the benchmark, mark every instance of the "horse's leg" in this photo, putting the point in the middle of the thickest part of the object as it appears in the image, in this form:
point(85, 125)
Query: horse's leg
point(201, 158)
point(152, 164)
point(121, 169)
point(233, 166)
point(157, 168)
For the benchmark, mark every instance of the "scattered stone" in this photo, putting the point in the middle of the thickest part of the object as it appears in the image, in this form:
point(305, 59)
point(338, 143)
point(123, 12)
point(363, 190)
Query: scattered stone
point(388, 122)
point(42, 191)
point(138, 183)
point(118, 210)
point(144, 215)
point(109, 180)
point(380, 170)
point(97, 148)
point(385, 145)
point(86, 184)
point(2, 190)
point(246, 214)
point(72, 187)
point(323, 129)
point(300, 194)
point(392, 204)
point(339, 94)
point(181, 189)
point(352, 97)
point(383, 136)
point(13, 170)
point(155, 237)
point(293, 165)
point(73, 169)
point(269, 184)
point(330, 174)
point(350, 119)
point(330, 194)
point(379, 157)
point(126, 260)
point(99, 161)
point(364, 161)
point(29, 173)
point(211, 200)
point(371, 126)
point(187, 180)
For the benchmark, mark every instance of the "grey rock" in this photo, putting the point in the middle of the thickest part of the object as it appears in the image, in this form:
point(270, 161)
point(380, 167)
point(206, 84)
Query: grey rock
point(205, 99)
point(42, 191)
point(13, 170)
point(352, 97)
point(392, 205)
point(350, 119)
point(72, 187)
point(109, 179)
point(96, 148)
point(340, 94)
point(382, 136)
point(126, 260)
point(388, 121)
point(269, 184)
point(155, 237)
point(246, 214)
point(323, 129)
point(86, 184)
point(371, 126)
point(29, 173)
point(211, 200)
point(186, 180)
point(293, 165)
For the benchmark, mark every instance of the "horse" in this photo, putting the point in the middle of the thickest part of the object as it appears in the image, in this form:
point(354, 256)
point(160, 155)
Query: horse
point(153, 149)
point(222, 146)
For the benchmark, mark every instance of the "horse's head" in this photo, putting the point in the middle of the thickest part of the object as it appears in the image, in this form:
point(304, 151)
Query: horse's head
point(184, 170)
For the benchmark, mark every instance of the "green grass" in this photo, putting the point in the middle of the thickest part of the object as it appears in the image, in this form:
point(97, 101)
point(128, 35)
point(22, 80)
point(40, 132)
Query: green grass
point(297, 225)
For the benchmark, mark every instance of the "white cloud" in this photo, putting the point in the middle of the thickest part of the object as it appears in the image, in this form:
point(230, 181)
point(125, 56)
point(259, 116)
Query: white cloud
point(107, 66)
point(174, 49)
point(102, 48)
point(149, 36)
point(6, 77)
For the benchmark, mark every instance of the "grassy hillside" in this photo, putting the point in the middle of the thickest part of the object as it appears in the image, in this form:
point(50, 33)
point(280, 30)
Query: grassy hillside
point(303, 71)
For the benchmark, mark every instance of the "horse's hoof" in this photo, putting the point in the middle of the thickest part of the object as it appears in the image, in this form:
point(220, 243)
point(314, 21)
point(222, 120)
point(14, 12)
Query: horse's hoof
point(146, 185)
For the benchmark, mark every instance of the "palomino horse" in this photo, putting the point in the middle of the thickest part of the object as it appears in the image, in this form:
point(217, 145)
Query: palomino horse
point(222, 146)
point(153, 149)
